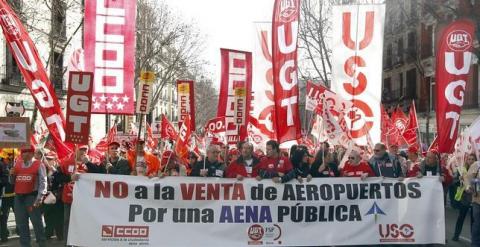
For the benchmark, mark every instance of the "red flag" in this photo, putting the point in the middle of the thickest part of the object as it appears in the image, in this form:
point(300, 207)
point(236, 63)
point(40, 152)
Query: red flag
point(390, 134)
point(284, 61)
point(36, 79)
point(453, 63)
point(112, 133)
point(168, 132)
point(399, 120)
point(434, 145)
point(410, 133)
point(186, 101)
point(110, 54)
point(183, 140)
point(235, 93)
point(80, 86)
point(151, 142)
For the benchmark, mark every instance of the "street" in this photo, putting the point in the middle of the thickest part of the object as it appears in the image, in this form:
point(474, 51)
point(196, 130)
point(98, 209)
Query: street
point(450, 218)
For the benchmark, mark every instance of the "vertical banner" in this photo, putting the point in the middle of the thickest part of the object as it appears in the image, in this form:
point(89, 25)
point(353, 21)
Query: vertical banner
point(183, 139)
point(186, 102)
point(357, 49)
point(145, 94)
point(284, 59)
point(110, 53)
point(235, 87)
point(453, 62)
point(36, 79)
point(262, 105)
point(80, 87)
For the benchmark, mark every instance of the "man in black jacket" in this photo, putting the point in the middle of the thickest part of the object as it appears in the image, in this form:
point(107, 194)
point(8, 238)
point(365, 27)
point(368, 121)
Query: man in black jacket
point(210, 167)
point(7, 197)
point(384, 164)
point(115, 163)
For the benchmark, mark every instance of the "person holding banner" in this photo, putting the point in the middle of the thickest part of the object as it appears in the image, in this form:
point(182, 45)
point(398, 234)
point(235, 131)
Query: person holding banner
point(356, 167)
point(116, 164)
point(53, 213)
point(413, 161)
point(432, 167)
point(172, 166)
point(274, 165)
point(385, 165)
point(146, 163)
point(210, 166)
point(244, 166)
point(472, 184)
point(30, 178)
point(301, 166)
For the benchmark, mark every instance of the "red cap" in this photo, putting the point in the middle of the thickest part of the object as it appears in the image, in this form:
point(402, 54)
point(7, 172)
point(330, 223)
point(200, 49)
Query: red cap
point(412, 149)
point(27, 149)
point(233, 151)
point(51, 155)
point(83, 147)
point(114, 143)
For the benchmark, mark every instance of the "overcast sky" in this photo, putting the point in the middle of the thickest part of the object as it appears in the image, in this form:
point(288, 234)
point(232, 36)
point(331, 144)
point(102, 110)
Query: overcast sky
point(226, 24)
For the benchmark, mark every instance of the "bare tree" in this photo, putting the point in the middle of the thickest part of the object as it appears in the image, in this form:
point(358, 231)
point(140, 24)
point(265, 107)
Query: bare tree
point(313, 34)
point(165, 45)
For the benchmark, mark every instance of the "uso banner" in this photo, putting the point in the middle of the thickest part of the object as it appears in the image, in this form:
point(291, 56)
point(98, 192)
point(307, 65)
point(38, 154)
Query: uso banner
point(111, 210)
point(110, 53)
point(284, 61)
point(357, 51)
point(25, 54)
point(262, 106)
point(235, 93)
point(454, 55)
point(79, 107)
point(186, 102)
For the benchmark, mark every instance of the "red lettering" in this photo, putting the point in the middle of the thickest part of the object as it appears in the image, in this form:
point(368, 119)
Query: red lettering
point(102, 188)
point(347, 40)
point(200, 192)
point(187, 191)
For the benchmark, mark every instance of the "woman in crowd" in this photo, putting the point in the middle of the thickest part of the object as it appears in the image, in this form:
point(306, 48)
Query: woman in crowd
point(464, 198)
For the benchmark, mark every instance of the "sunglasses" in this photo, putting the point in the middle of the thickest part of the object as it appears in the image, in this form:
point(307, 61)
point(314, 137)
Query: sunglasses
point(376, 150)
point(351, 158)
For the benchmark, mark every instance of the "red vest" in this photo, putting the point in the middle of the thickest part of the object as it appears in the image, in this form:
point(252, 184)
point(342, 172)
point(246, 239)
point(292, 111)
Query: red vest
point(25, 178)
point(67, 166)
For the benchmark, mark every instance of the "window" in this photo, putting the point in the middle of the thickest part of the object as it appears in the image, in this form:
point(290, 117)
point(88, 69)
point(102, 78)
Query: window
point(56, 70)
point(14, 77)
point(411, 92)
point(59, 26)
point(399, 57)
point(388, 61)
point(426, 41)
point(402, 85)
point(412, 46)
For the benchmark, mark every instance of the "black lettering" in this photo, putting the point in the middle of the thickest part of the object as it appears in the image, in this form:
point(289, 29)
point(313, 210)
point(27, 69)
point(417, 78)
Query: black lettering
point(168, 193)
point(207, 215)
point(388, 187)
point(338, 189)
point(414, 191)
point(282, 211)
point(141, 192)
point(297, 214)
point(270, 193)
point(340, 213)
point(149, 215)
point(312, 192)
point(133, 211)
point(352, 191)
point(400, 190)
point(257, 192)
point(363, 191)
point(326, 192)
point(310, 214)
point(300, 192)
point(375, 191)
point(355, 213)
point(288, 193)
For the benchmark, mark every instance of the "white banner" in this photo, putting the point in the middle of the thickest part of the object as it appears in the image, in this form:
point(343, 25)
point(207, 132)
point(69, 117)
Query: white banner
point(111, 210)
point(262, 106)
point(357, 65)
point(144, 97)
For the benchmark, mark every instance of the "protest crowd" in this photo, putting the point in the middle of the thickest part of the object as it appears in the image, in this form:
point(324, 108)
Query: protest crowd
point(37, 183)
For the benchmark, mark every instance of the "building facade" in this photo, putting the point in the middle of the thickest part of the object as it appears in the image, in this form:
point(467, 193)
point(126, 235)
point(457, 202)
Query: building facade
point(412, 28)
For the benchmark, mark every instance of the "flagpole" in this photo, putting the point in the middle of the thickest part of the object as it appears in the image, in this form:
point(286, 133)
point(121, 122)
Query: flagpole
point(138, 139)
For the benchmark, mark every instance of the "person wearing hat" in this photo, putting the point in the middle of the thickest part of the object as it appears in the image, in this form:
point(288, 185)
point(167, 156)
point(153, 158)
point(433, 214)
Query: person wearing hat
point(70, 169)
point(233, 155)
point(245, 166)
point(53, 213)
point(30, 178)
point(171, 165)
point(393, 150)
point(116, 164)
point(413, 161)
point(143, 163)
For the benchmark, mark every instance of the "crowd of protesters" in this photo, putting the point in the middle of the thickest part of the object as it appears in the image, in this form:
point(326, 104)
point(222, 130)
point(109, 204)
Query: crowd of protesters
point(35, 183)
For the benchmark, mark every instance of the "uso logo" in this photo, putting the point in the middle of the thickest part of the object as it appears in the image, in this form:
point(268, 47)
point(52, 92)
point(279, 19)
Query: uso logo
point(255, 232)
point(459, 40)
point(396, 233)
